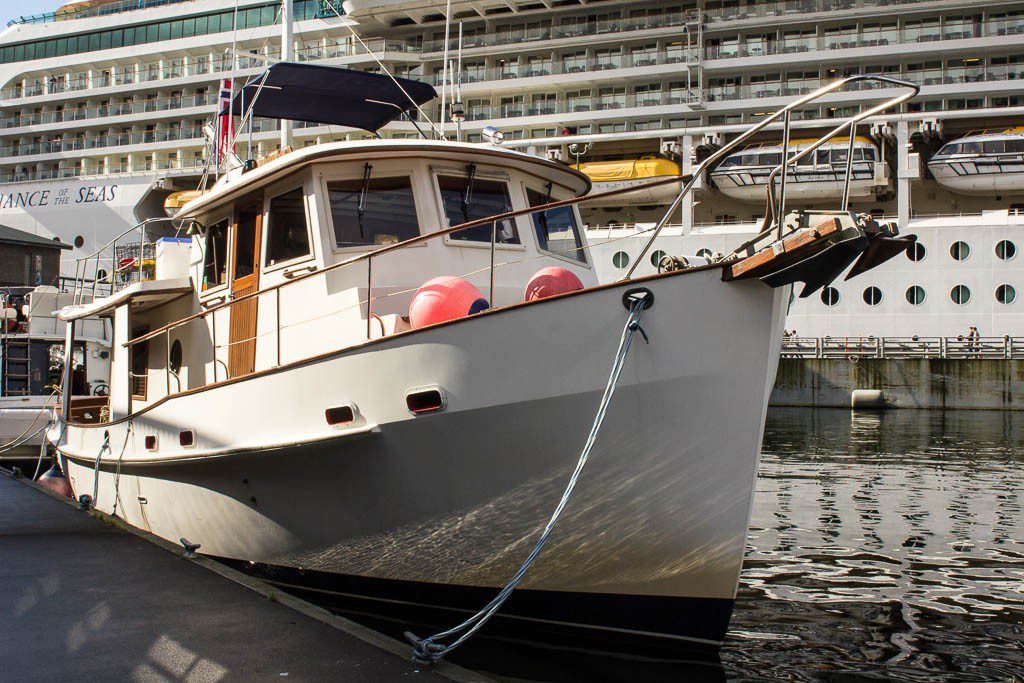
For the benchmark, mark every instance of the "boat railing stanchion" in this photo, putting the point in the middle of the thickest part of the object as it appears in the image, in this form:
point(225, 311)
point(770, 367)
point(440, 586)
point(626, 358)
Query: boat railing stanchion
point(781, 213)
point(494, 238)
point(369, 297)
point(849, 167)
point(277, 322)
point(213, 333)
point(167, 359)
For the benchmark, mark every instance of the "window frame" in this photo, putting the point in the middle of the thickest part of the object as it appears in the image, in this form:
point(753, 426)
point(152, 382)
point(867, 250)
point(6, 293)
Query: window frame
point(528, 185)
point(386, 168)
point(490, 174)
point(222, 214)
point(142, 349)
point(269, 195)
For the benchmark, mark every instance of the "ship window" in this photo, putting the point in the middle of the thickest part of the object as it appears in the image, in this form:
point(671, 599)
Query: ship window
point(469, 198)
point(994, 147)
point(915, 295)
point(556, 228)
point(872, 296)
point(1006, 294)
point(830, 296)
point(215, 256)
point(916, 252)
point(656, 257)
point(287, 234)
point(377, 211)
point(704, 253)
point(771, 159)
point(620, 259)
point(970, 148)
point(960, 250)
point(960, 294)
point(1016, 146)
point(1006, 250)
point(245, 260)
point(734, 160)
point(949, 150)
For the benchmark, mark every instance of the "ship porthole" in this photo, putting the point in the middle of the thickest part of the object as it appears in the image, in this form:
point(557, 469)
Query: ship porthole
point(915, 295)
point(1006, 250)
point(872, 296)
point(620, 259)
point(656, 257)
point(174, 356)
point(79, 242)
point(960, 250)
point(830, 296)
point(916, 252)
point(960, 295)
point(704, 253)
point(1006, 294)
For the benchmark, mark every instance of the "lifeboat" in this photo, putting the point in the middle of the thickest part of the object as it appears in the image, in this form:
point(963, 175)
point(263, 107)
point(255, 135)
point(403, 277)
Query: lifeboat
point(821, 175)
point(613, 175)
point(982, 163)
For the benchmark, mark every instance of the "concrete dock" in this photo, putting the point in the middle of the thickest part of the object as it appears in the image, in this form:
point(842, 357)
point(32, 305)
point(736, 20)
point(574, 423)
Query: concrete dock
point(83, 599)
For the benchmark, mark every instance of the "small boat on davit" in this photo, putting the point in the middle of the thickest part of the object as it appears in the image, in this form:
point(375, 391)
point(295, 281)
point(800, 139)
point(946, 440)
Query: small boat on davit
point(376, 364)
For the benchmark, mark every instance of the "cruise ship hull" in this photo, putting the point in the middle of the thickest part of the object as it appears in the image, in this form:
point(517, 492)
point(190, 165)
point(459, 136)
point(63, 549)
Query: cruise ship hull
point(425, 516)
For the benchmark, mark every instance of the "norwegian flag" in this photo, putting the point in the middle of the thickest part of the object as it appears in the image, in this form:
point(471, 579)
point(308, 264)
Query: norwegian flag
point(225, 122)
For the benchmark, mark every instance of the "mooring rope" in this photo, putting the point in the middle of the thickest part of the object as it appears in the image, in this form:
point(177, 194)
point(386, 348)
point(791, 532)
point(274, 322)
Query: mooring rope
point(96, 467)
point(429, 650)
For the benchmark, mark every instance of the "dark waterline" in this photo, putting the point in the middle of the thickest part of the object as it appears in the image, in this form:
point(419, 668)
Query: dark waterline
point(882, 546)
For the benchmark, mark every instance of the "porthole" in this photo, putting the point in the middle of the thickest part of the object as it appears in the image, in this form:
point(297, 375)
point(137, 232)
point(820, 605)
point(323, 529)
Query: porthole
point(916, 252)
point(1006, 294)
point(101, 275)
point(960, 250)
point(1006, 250)
point(79, 241)
point(960, 294)
point(174, 356)
point(830, 296)
point(705, 253)
point(620, 259)
point(872, 296)
point(915, 295)
point(656, 257)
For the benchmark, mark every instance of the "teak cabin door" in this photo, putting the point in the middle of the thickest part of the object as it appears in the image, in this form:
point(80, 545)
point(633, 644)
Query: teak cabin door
point(245, 279)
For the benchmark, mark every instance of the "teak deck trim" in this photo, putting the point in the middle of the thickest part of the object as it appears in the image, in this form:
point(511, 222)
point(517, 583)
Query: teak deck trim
point(755, 264)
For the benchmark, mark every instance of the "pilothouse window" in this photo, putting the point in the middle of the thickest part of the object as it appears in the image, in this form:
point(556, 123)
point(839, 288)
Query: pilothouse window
point(372, 210)
point(287, 235)
point(215, 256)
point(556, 228)
point(469, 198)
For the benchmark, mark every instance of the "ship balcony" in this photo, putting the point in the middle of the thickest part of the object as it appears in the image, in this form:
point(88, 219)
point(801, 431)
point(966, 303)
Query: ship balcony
point(571, 72)
point(179, 106)
point(779, 11)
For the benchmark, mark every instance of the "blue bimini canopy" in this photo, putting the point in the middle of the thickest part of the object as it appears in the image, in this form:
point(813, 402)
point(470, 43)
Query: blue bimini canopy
point(330, 95)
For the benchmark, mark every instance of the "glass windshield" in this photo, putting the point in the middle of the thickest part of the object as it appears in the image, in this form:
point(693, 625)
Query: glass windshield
point(379, 211)
point(468, 198)
point(556, 229)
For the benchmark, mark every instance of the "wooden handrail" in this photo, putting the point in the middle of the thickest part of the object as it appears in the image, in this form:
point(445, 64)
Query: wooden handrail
point(412, 240)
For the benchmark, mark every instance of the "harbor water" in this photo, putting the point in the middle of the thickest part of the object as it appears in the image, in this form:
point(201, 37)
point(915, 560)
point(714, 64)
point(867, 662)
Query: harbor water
point(883, 546)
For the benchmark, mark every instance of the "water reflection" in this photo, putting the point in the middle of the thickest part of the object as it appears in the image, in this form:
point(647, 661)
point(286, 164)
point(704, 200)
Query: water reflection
point(884, 546)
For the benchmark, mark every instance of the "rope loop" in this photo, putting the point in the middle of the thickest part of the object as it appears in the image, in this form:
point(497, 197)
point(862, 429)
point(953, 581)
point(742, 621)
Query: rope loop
point(430, 650)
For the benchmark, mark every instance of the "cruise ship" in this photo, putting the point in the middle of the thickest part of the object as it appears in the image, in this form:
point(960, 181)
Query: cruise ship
point(103, 106)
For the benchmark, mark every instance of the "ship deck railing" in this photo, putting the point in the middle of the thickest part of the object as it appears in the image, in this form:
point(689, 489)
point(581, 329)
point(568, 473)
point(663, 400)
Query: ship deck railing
point(857, 348)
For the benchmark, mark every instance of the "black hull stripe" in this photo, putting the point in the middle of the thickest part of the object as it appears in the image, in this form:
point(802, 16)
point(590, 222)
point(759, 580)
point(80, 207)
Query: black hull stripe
point(607, 621)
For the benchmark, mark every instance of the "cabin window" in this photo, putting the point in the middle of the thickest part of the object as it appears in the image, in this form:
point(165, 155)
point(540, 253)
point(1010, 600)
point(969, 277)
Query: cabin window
point(994, 147)
point(1006, 294)
point(915, 295)
point(245, 241)
point(1015, 146)
point(287, 231)
point(375, 211)
point(1006, 250)
point(469, 198)
point(556, 229)
point(139, 365)
point(960, 295)
point(872, 296)
point(215, 257)
point(830, 296)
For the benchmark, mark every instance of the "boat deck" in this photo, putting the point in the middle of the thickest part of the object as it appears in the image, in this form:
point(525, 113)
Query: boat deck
point(86, 600)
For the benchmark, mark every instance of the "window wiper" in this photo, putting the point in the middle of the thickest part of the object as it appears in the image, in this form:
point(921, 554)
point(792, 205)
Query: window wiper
point(361, 206)
point(467, 196)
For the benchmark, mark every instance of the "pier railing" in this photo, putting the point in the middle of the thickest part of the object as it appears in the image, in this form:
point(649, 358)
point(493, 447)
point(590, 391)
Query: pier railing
point(856, 348)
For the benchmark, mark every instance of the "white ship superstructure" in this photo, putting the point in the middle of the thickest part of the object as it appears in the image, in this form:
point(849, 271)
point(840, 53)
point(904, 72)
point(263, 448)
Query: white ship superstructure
point(103, 109)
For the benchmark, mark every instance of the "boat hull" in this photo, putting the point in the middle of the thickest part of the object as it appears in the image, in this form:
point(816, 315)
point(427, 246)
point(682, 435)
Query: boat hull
point(644, 195)
point(452, 502)
point(969, 177)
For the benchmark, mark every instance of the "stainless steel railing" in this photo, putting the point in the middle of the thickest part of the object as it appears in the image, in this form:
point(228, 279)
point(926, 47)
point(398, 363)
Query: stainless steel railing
point(856, 348)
